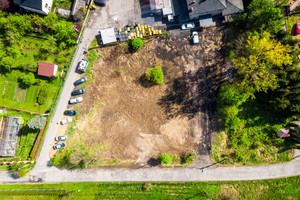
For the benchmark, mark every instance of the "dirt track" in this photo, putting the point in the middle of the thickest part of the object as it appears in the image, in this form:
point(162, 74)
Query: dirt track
point(123, 117)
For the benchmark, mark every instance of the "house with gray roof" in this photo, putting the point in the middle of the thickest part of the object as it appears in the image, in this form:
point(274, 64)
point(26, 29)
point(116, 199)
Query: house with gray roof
point(198, 8)
point(38, 6)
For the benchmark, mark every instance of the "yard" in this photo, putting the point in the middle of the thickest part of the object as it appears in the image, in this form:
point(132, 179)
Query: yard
point(285, 188)
point(13, 93)
point(123, 120)
point(27, 137)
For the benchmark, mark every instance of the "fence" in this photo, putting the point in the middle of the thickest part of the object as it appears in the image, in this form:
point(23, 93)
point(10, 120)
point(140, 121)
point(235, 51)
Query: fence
point(21, 110)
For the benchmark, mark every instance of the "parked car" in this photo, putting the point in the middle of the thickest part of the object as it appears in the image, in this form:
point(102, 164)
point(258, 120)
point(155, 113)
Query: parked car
point(76, 100)
point(70, 112)
point(77, 92)
point(195, 37)
point(65, 121)
point(58, 146)
point(187, 26)
point(100, 2)
point(82, 65)
point(79, 81)
point(297, 28)
point(61, 138)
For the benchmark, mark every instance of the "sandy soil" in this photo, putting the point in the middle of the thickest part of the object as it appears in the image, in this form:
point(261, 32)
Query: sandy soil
point(123, 117)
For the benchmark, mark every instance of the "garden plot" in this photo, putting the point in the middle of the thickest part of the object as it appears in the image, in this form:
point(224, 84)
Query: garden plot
point(125, 120)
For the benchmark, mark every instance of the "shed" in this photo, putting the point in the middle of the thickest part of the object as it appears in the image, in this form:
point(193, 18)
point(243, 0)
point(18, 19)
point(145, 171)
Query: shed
point(47, 69)
point(283, 133)
point(9, 135)
point(108, 36)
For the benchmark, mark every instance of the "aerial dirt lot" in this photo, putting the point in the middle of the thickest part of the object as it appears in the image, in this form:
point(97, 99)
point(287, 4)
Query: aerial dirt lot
point(124, 118)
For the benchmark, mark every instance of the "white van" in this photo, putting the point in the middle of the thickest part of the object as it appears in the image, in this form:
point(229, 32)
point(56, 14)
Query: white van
point(195, 37)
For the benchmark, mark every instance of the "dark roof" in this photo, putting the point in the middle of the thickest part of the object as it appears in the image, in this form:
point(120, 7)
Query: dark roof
point(232, 7)
point(46, 69)
point(202, 7)
point(205, 6)
point(36, 4)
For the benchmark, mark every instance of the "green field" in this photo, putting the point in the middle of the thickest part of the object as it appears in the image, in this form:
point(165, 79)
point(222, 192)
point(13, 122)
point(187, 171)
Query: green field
point(286, 188)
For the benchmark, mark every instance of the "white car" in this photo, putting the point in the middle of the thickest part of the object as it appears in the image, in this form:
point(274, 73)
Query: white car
point(195, 37)
point(76, 100)
point(61, 138)
point(65, 121)
point(187, 26)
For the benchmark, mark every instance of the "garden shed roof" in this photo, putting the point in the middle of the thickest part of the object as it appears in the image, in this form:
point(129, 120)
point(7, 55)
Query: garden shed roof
point(284, 133)
point(108, 36)
point(47, 69)
point(9, 134)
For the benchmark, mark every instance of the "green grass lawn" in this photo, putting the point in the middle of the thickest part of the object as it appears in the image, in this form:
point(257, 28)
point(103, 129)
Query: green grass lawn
point(286, 188)
point(30, 103)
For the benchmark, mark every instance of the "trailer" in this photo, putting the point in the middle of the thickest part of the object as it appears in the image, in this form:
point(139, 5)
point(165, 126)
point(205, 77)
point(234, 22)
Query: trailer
point(82, 65)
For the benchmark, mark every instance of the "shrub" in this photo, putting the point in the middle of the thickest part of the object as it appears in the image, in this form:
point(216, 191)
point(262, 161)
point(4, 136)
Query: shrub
point(137, 43)
point(28, 79)
point(38, 122)
point(147, 186)
point(189, 158)
point(43, 95)
point(155, 75)
point(165, 158)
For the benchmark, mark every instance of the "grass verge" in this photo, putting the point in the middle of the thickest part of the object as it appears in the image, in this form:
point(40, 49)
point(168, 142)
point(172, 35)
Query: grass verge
point(286, 188)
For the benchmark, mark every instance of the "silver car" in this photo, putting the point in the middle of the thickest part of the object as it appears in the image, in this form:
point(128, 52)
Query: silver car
point(65, 121)
point(76, 100)
point(187, 26)
point(61, 138)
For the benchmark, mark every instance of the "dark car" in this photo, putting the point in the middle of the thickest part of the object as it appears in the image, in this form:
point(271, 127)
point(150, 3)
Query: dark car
point(79, 81)
point(100, 2)
point(297, 29)
point(70, 112)
point(58, 146)
point(77, 92)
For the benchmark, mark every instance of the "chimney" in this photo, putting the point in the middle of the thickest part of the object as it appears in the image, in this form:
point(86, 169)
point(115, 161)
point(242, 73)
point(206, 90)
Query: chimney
point(191, 9)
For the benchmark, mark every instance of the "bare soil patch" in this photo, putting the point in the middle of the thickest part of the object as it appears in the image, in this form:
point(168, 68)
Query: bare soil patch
point(122, 117)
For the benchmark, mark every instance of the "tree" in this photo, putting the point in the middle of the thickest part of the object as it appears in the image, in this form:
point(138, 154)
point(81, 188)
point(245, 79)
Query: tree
point(38, 122)
point(28, 79)
point(7, 62)
point(50, 20)
point(261, 57)
point(137, 43)
point(64, 32)
point(155, 75)
point(263, 15)
point(165, 158)
point(229, 95)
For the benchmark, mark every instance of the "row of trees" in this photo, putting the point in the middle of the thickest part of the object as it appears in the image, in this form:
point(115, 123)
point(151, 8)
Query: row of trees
point(265, 94)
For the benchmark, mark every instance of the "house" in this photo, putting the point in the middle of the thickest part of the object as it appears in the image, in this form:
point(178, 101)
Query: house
point(9, 134)
point(47, 69)
point(200, 8)
point(39, 6)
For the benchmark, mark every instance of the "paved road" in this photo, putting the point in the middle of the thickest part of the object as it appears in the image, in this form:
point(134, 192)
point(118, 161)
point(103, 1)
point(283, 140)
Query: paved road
point(54, 175)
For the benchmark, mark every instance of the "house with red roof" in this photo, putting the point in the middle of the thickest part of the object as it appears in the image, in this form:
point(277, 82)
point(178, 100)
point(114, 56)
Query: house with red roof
point(47, 69)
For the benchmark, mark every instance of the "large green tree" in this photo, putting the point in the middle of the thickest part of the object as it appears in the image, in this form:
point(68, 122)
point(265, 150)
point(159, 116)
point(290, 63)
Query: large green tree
point(263, 15)
point(255, 67)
